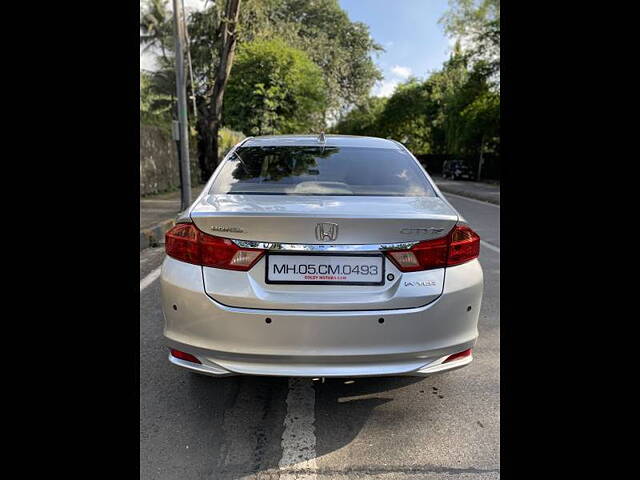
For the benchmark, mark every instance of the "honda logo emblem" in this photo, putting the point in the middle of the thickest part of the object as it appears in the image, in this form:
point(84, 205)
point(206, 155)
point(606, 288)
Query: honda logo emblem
point(327, 232)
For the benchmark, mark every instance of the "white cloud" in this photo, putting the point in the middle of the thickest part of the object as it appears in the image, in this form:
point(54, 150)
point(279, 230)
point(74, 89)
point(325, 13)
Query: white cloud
point(384, 88)
point(402, 72)
point(194, 4)
point(147, 60)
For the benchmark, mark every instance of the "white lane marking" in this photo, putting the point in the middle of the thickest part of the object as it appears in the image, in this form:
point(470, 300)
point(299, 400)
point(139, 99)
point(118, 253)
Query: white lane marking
point(490, 246)
point(446, 194)
point(149, 279)
point(299, 438)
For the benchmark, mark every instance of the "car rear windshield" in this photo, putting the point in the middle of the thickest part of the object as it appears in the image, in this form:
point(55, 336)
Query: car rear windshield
point(290, 170)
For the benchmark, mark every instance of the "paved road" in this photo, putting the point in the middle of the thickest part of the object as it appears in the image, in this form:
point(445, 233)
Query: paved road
point(488, 192)
point(445, 426)
point(157, 208)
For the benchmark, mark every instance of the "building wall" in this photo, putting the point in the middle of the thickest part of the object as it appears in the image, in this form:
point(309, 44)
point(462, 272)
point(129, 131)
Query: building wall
point(159, 161)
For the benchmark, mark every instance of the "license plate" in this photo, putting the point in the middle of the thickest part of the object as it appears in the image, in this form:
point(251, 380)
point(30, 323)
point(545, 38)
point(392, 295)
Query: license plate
point(325, 269)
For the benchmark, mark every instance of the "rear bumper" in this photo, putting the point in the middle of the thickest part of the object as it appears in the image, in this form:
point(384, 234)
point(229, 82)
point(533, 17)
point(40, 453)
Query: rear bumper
point(230, 340)
point(376, 370)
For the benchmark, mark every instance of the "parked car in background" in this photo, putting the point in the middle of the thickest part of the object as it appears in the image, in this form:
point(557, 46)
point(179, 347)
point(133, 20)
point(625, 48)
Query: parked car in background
point(321, 257)
point(457, 169)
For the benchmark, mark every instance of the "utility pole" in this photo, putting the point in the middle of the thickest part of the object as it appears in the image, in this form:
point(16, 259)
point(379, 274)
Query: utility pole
point(193, 90)
point(183, 154)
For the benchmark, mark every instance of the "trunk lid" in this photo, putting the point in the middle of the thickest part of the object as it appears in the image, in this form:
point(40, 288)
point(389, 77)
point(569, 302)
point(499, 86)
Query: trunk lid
point(295, 219)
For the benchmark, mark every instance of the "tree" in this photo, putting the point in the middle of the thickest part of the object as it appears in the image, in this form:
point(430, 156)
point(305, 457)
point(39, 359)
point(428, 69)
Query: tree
point(456, 110)
point(155, 103)
point(469, 17)
point(482, 122)
point(341, 48)
point(156, 30)
point(412, 115)
point(404, 116)
point(446, 88)
point(476, 24)
point(213, 97)
point(158, 87)
point(275, 89)
point(362, 119)
point(468, 105)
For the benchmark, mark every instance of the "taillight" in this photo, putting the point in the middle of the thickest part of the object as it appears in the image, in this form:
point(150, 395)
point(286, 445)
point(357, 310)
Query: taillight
point(184, 356)
point(460, 245)
point(186, 243)
point(464, 245)
point(423, 256)
point(458, 355)
point(181, 242)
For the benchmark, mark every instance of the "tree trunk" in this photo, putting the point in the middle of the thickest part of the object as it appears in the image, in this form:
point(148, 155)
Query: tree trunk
point(481, 158)
point(214, 108)
point(207, 159)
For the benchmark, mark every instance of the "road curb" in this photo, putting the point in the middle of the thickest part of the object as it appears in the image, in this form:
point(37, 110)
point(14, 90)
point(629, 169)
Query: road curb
point(476, 196)
point(152, 237)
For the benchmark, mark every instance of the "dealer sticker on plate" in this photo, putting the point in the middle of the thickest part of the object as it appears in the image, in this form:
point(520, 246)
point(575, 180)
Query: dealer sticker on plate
point(364, 269)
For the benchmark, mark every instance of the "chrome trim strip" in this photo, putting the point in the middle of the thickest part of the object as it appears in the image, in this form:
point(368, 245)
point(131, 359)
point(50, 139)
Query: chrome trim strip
point(298, 247)
point(205, 369)
point(438, 366)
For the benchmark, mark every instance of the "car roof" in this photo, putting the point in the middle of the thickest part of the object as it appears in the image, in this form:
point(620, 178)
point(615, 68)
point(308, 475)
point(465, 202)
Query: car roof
point(313, 140)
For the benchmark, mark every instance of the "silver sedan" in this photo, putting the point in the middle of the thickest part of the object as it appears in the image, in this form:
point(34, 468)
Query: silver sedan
point(329, 256)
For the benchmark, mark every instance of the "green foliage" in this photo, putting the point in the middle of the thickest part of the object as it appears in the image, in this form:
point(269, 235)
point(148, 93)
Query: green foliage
point(404, 117)
point(469, 86)
point(155, 104)
point(275, 89)
point(455, 110)
point(482, 120)
point(302, 63)
point(157, 88)
point(363, 119)
point(156, 28)
point(476, 23)
point(341, 48)
point(469, 17)
point(227, 139)
point(469, 106)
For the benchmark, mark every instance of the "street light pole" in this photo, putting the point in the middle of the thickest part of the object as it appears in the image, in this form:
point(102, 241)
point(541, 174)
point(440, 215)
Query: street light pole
point(185, 171)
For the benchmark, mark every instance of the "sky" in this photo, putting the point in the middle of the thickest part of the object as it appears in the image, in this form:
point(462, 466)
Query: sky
point(408, 30)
